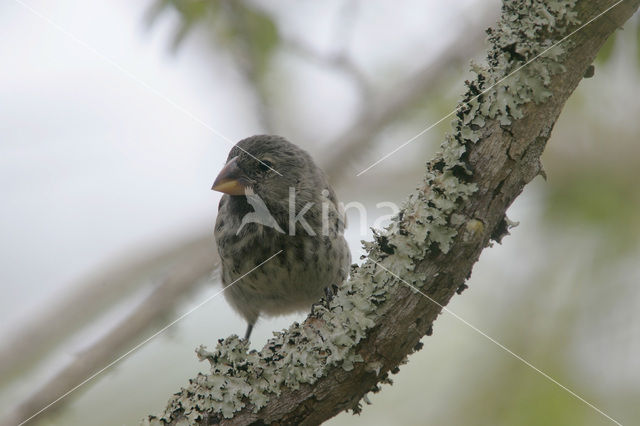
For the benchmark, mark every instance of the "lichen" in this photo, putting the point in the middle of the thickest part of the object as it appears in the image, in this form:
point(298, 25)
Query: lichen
point(428, 222)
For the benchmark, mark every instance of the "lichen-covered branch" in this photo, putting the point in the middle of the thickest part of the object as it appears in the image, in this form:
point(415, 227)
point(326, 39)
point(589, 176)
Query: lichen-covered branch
point(316, 369)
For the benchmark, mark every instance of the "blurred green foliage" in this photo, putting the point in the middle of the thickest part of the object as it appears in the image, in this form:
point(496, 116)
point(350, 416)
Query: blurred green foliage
point(606, 51)
point(190, 12)
point(593, 199)
point(536, 402)
point(597, 199)
point(638, 43)
point(236, 25)
point(260, 30)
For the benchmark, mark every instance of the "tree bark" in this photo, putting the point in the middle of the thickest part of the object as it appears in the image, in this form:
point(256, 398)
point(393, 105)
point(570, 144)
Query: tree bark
point(90, 298)
point(314, 370)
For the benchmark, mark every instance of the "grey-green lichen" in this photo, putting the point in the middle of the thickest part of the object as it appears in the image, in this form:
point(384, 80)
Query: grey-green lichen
point(429, 221)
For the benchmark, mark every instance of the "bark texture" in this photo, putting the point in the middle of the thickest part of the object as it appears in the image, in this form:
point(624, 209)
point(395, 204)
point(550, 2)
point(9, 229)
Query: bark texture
point(314, 370)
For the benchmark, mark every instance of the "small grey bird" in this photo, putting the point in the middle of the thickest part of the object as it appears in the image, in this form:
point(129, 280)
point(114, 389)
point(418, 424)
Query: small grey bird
point(277, 199)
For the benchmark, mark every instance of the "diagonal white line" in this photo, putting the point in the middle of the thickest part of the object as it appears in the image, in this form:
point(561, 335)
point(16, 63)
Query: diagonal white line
point(139, 345)
point(134, 78)
point(425, 130)
point(515, 355)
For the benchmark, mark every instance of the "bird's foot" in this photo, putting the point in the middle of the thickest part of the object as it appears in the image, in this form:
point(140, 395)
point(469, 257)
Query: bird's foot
point(329, 292)
point(325, 302)
point(313, 307)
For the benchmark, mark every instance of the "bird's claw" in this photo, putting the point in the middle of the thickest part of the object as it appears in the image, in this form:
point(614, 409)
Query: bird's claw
point(329, 291)
point(313, 307)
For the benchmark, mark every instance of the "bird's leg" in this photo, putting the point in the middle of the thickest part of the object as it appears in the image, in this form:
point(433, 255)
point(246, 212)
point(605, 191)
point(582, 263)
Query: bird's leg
point(313, 308)
point(248, 332)
point(329, 291)
point(318, 303)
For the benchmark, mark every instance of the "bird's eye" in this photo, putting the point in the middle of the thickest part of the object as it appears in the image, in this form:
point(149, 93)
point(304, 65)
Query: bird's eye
point(264, 165)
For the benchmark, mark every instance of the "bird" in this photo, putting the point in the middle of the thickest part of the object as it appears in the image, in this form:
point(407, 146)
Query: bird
point(277, 203)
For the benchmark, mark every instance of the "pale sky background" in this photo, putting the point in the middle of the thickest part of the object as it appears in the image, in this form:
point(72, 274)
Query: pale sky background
point(95, 167)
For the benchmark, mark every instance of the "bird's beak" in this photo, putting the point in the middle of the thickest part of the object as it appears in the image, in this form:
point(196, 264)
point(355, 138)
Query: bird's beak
point(230, 179)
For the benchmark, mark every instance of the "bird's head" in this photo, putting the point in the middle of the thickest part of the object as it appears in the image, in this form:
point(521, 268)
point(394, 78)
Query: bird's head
point(268, 166)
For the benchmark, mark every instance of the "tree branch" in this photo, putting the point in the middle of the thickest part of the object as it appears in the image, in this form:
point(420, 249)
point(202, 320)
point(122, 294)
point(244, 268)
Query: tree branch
point(87, 300)
point(316, 369)
point(184, 275)
point(104, 289)
point(380, 110)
